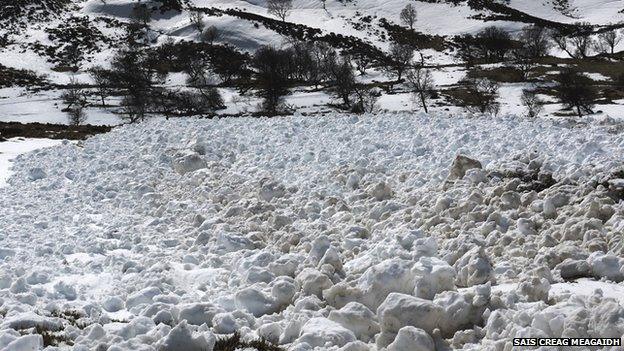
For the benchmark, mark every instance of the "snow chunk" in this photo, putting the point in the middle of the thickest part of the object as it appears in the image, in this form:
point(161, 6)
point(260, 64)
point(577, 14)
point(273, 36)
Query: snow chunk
point(188, 162)
point(473, 268)
point(199, 313)
point(322, 332)
point(181, 337)
point(412, 339)
point(26, 343)
point(391, 275)
point(400, 310)
point(460, 165)
point(357, 318)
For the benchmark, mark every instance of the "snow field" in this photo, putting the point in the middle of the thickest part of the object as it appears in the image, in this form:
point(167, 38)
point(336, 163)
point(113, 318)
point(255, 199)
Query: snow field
point(328, 232)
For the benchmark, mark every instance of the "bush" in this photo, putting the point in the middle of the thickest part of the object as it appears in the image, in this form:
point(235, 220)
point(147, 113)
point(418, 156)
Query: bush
point(272, 76)
point(576, 91)
point(481, 96)
point(533, 104)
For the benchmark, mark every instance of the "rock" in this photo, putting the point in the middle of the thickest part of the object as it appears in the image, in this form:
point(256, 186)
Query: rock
point(322, 332)
point(574, 269)
point(460, 165)
point(412, 339)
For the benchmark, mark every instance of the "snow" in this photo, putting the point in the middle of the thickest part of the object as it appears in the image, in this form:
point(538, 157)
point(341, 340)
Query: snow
point(14, 147)
point(312, 232)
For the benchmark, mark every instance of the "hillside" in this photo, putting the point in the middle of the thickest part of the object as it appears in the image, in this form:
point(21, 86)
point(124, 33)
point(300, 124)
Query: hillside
point(55, 40)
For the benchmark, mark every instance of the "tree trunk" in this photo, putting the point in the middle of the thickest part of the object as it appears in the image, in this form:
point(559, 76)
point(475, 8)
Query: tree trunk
point(423, 102)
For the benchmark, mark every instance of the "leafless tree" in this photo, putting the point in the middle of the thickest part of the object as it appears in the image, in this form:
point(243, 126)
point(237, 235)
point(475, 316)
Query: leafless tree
point(210, 34)
point(400, 59)
point(577, 46)
point(482, 96)
point(535, 42)
point(197, 20)
point(422, 84)
point(408, 16)
point(365, 99)
point(533, 104)
point(576, 91)
point(141, 14)
point(75, 98)
point(279, 8)
point(102, 79)
point(607, 41)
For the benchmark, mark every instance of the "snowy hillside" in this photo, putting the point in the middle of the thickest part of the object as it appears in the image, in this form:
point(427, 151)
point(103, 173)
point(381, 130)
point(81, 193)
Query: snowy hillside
point(337, 232)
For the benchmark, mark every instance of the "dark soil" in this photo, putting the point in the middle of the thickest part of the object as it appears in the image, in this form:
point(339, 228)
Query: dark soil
point(50, 131)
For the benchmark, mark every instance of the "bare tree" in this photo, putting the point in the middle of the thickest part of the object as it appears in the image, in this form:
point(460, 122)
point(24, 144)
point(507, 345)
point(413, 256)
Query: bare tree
point(535, 42)
point(324, 3)
point(102, 79)
point(279, 8)
point(210, 34)
point(422, 84)
point(75, 98)
point(365, 99)
point(577, 46)
point(141, 14)
point(272, 77)
point(343, 80)
point(482, 96)
point(607, 41)
point(408, 16)
point(400, 59)
point(533, 104)
point(197, 20)
point(576, 91)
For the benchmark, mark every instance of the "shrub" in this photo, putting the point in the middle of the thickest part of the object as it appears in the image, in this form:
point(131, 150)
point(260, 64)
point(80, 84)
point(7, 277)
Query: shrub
point(576, 91)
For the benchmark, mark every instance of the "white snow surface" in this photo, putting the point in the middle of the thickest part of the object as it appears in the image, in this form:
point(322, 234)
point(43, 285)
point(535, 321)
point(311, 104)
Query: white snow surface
point(312, 232)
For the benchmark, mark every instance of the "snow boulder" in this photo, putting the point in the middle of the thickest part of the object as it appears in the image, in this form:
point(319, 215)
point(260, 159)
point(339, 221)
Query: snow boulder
point(198, 313)
point(188, 161)
point(322, 332)
point(26, 343)
point(412, 339)
point(460, 165)
point(357, 318)
point(401, 310)
point(473, 268)
point(181, 337)
point(36, 174)
point(432, 276)
point(606, 266)
point(391, 275)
